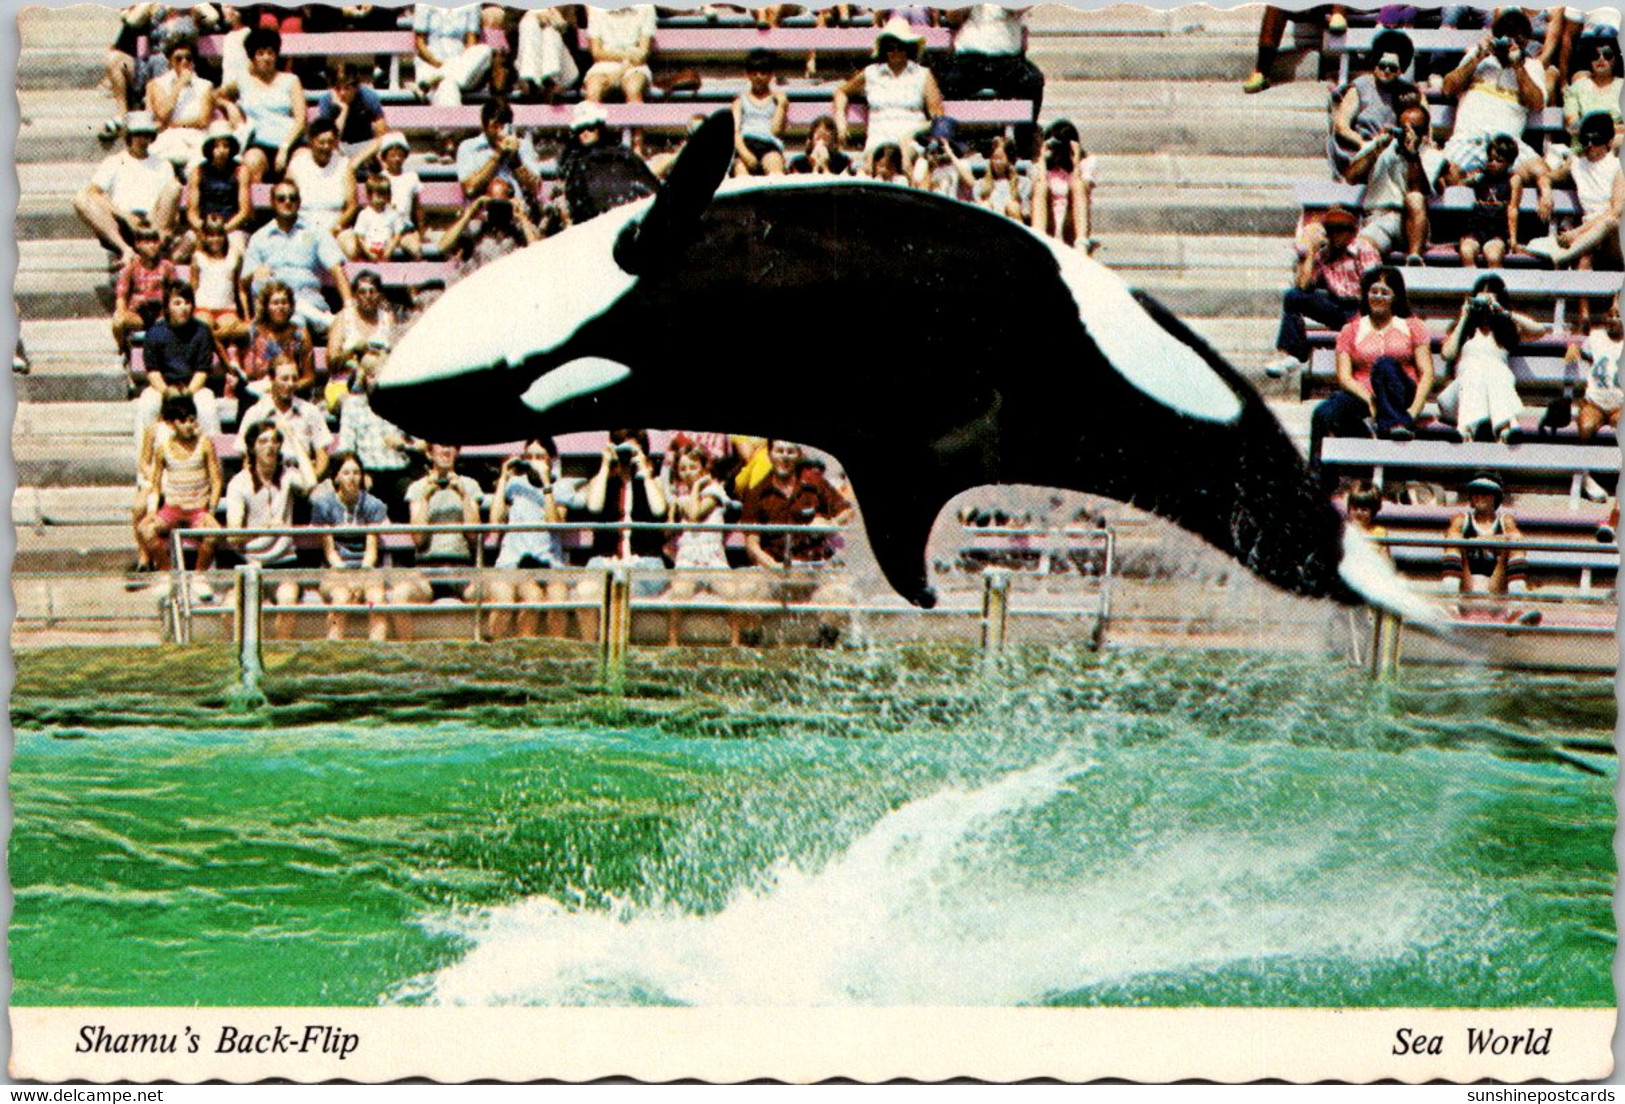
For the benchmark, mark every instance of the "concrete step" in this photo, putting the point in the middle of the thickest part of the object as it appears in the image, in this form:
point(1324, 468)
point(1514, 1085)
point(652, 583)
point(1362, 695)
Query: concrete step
point(61, 67)
point(82, 599)
point(108, 547)
point(83, 26)
point(75, 461)
point(78, 255)
point(1271, 212)
point(1131, 254)
point(45, 506)
point(62, 294)
point(1192, 296)
point(1259, 134)
point(44, 421)
point(1155, 91)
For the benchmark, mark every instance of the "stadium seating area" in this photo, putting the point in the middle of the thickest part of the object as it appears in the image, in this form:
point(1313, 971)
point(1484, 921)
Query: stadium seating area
point(1199, 193)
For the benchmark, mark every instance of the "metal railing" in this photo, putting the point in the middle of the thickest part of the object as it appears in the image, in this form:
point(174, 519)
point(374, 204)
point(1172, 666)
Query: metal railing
point(616, 603)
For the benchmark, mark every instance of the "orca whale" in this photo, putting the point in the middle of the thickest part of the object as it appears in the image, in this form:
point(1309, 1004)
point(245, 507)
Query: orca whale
point(929, 345)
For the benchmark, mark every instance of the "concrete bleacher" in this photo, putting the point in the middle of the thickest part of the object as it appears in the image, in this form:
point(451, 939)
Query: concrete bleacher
point(1195, 204)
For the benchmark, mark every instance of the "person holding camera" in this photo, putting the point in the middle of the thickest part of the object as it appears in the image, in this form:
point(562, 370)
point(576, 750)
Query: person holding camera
point(1479, 348)
point(1064, 187)
point(440, 497)
point(626, 488)
point(528, 492)
point(1498, 84)
point(493, 226)
point(497, 153)
point(1400, 169)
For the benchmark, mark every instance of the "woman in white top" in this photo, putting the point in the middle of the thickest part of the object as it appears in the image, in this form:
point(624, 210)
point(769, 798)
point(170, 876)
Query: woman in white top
point(365, 326)
point(216, 264)
point(902, 94)
point(261, 497)
point(1599, 185)
point(1478, 348)
point(273, 104)
point(183, 104)
point(326, 181)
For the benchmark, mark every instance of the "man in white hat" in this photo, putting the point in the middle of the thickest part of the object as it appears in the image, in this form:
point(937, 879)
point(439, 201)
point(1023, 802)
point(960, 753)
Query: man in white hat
point(131, 188)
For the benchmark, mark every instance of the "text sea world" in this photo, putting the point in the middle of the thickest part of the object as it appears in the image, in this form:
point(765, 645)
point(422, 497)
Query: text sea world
point(311, 1039)
point(1479, 1041)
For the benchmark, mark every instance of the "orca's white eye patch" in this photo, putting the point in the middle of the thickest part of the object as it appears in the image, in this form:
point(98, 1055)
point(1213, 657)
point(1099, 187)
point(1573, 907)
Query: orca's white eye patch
point(578, 377)
point(521, 306)
point(1142, 352)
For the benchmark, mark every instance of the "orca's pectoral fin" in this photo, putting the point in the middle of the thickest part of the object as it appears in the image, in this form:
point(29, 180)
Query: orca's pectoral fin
point(673, 220)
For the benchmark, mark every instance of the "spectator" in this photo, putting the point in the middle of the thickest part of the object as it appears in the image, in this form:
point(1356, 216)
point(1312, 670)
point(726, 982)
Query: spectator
point(325, 180)
point(1603, 398)
point(493, 226)
point(218, 185)
point(598, 173)
point(942, 170)
point(353, 559)
point(178, 355)
point(303, 425)
point(1497, 196)
point(1600, 187)
point(441, 497)
point(1484, 572)
point(1327, 289)
point(1581, 29)
point(545, 65)
point(131, 188)
point(1273, 29)
point(381, 232)
point(1498, 86)
point(127, 78)
point(823, 156)
point(1400, 172)
point(759, 116)
point(139, 290)
point(273, 103)
point(989, 55)
point(364, 328)
point(182, 104)
point(354, 109)
point(795, 493)
point(1002, 188)
point(1372, 102)
point(1478, 349)
point(529, 492)
point(274, 334)
point(626, 489)
point(451, 59)
point(1594, 90)
point(286, 249)
point(215, 267)
point(261, 496)
point(1064, 187)
point(1384, 367)
point(185, 474)
point(902, 94)
point(496, 153)
point(1364, 504)
point(621, 41)
point(701, 558)
point(384, 448)
point(405, 185)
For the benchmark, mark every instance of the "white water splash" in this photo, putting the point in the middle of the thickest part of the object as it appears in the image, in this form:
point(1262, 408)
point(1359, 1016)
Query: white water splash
point(933, 907)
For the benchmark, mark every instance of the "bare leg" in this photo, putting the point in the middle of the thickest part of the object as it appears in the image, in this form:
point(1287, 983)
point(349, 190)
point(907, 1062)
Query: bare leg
point(96, 211)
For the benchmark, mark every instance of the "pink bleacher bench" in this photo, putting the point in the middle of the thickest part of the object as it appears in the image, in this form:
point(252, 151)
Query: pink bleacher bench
point(1317, 195)
point(404, 274)
point(672, 115)
point(1540, 371)
point(1583, 517)
point(685, 41)
point(1573, 461)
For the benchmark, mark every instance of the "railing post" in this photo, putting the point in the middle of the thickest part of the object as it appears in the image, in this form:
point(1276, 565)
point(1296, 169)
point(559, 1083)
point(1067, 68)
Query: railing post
point(180, 595)
point(245, 695)
point(1385, 646)
point(995, 608)
point(615, 619)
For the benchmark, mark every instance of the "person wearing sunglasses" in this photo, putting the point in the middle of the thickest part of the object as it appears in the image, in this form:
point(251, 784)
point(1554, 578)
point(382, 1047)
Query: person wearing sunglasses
point(1371, 103)
point(183, 103)
point(1596, 89)
point(301, 256)
point(1599, 184)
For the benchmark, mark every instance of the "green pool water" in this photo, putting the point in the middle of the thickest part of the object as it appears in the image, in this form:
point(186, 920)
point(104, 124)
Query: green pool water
point(484, 825)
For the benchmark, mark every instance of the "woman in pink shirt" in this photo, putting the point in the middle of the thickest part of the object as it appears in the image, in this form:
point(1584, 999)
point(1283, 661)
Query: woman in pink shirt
point(1384, 367)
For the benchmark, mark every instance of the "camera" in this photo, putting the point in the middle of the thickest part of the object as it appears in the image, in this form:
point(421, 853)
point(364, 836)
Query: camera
point(625, 450)
point(1059, 154)
point(1502, 45)
point(442, 481)
point(499, 210)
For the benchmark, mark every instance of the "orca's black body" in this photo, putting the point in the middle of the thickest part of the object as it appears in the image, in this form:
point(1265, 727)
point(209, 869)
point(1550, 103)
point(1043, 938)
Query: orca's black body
point(929, 345)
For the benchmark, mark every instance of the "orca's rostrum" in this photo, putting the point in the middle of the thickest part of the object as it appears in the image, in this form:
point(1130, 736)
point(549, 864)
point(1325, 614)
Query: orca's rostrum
point(930, 345)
